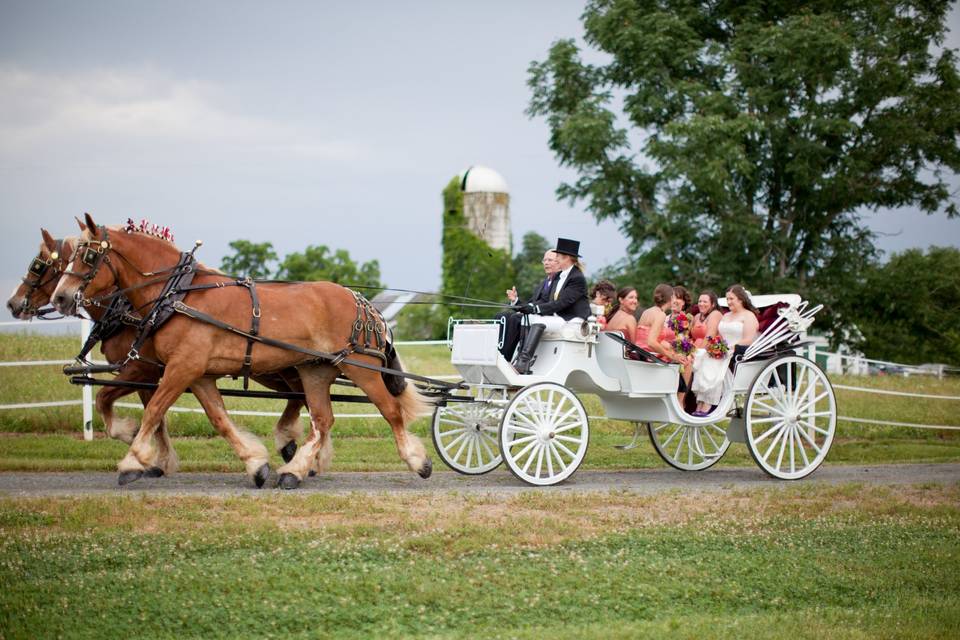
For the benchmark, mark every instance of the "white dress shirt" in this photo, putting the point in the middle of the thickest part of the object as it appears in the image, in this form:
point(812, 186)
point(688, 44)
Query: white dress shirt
point(561, 280)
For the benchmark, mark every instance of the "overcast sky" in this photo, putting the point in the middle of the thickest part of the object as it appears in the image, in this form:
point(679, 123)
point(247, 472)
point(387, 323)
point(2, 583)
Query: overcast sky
point(293, 123)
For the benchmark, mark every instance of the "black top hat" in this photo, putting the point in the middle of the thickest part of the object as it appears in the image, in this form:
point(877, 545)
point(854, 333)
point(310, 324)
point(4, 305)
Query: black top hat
point(569, 247)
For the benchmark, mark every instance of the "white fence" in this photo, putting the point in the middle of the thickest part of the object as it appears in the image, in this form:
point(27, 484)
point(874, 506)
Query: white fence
point(86, 399)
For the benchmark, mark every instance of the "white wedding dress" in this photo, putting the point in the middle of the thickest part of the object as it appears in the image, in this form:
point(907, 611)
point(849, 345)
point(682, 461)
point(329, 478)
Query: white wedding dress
point(709, 374)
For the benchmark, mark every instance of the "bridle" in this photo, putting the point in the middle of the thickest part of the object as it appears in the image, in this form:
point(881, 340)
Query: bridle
point(94, 254)
point(39, 268)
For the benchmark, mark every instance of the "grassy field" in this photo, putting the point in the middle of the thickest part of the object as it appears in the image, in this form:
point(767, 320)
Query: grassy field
point(799, 562)
point(49, 439)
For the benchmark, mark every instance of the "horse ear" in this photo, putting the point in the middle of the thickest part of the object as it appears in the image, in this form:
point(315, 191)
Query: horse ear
point(91, 225)
point(82, 226)
point(48, 240)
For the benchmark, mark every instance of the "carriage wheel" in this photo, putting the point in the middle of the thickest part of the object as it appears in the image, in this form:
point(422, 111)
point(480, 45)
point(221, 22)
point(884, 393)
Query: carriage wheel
point(544, 434)
point(465, 436)
point(689, 447)
point(791, 417)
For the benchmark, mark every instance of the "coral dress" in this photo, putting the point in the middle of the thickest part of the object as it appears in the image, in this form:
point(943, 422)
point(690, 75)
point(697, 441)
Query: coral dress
point(698, 333)
point(643, 333)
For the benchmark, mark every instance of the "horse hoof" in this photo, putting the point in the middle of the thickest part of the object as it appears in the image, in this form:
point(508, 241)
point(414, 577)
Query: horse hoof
point(153, 472)
point(312, 473)
point(288, 451)
point(288, 481)
point(261, 475)
point(426, 469)
point(129, 476)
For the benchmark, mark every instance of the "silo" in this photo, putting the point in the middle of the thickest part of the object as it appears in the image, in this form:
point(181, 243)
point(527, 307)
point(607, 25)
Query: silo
point(486, 206)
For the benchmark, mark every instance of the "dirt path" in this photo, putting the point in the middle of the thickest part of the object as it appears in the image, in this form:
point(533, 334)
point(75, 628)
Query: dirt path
point(497, 482)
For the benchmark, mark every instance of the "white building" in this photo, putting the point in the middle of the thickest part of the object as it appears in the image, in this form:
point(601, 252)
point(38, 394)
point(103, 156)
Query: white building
point(486, 206)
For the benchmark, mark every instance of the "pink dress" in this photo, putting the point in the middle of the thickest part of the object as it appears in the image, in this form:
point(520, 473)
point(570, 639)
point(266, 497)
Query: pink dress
point(698, 333)
point(643, 333)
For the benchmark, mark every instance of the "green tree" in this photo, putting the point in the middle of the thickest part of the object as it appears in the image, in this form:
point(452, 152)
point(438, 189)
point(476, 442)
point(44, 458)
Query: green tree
point(471, 267)
point(907, 309)
point(249, 259)
point(528, 263)
point(317, 263)
point(422, 322)
point(742, 141)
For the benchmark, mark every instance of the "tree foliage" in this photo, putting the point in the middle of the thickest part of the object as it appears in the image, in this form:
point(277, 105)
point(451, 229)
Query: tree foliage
point(250, 259)
point(471, 267)
point(318, 263)
point(743, 141)
point(909, 307)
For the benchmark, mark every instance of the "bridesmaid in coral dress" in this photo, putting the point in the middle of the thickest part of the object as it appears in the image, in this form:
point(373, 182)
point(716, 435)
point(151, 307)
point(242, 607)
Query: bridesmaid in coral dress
point(652, 333)
point(707, 318)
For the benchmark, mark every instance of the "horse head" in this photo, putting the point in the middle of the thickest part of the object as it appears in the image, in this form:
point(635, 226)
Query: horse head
point(37, 286)
point(107, 259)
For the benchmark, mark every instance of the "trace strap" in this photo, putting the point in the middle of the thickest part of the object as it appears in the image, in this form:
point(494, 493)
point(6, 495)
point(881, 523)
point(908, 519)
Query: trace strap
point(332, 358)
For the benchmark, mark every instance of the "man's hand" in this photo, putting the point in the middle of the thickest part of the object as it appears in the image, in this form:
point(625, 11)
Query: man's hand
point(512, 295)
point(529, 308)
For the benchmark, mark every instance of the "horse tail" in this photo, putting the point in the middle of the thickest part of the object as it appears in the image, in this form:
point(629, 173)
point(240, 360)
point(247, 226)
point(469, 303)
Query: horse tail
point(395, 383)
point(412, 403)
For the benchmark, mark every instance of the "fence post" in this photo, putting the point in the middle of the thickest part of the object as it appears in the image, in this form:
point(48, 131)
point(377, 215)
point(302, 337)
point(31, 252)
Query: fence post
point(85, 327)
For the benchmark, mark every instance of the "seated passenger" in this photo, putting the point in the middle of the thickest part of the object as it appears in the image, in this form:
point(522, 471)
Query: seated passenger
point(738, 327)
point(650, 328)
point(622, 315)
point(706, 319)
point(678, 327)
point(601, 297)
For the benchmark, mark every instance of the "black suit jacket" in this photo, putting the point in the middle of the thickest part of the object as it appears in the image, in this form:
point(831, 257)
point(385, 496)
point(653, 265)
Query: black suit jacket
point(572, 302)
point(540, 294)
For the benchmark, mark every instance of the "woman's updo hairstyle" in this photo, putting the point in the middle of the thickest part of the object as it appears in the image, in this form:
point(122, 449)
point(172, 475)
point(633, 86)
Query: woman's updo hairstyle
point(662, 294)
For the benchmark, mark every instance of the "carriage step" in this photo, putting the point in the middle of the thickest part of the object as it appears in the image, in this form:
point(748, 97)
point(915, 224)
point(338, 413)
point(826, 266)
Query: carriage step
point(88, 369)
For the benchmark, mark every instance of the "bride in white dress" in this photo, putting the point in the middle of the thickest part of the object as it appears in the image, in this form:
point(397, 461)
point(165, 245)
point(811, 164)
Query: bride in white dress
point(738, 327)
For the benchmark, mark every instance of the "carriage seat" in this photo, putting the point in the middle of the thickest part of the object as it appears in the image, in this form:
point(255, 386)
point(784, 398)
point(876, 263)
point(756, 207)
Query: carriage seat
point(570, 330)
point(633, 351)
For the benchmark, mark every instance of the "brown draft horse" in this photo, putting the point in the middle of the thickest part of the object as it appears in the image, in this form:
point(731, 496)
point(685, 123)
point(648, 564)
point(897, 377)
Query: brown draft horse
point(317, 316)
point(36, 290)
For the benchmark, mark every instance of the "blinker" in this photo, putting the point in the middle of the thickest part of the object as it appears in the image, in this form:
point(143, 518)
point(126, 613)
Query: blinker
point(90, 257)
point(38, 267)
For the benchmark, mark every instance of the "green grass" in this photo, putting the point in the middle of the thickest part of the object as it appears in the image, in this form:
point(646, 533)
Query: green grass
point(48, 439)
point(806, 562)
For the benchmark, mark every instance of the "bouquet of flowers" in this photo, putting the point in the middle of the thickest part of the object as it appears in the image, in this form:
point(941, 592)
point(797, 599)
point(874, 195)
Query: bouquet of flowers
point(679, 323)
point(716, 347)
point(683, 345)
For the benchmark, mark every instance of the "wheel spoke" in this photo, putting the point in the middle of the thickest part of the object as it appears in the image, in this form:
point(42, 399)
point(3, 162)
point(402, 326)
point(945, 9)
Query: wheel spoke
point(691, 441)
point(483, 442)
point(806, 436)
point(553, 451)
point(563, 447)
point(803, 451)
point(683, 436)
point(813, 403)
point(528, 421)
point(783, 447)
point(772, 445)
point(463, 444)
point(814, 427)
point(443, 434)
point(459, 423)
point(568, 427)
point(763, 420)
point(531, 456)
point(569, 439)
point(716, 447)
point(539, 459)
point(472, 443)
point(523, 439)
point(519, 456)
point(536, 417)
point(672, 436)
point(549, 456)
point(520, 429)
point(793, 466)
point(767, 432)
point(767, 407)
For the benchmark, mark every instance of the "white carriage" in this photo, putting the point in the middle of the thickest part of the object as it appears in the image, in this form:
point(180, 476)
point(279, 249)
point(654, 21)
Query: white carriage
point(777, 402)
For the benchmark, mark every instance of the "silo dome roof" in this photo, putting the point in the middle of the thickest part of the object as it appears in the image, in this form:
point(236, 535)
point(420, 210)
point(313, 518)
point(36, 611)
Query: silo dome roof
point(483, 179)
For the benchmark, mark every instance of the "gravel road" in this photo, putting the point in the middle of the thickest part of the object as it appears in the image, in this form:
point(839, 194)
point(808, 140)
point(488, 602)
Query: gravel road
point(497, 482)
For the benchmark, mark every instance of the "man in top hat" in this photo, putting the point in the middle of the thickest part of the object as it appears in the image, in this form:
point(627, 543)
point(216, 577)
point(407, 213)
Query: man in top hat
point(566, 300)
